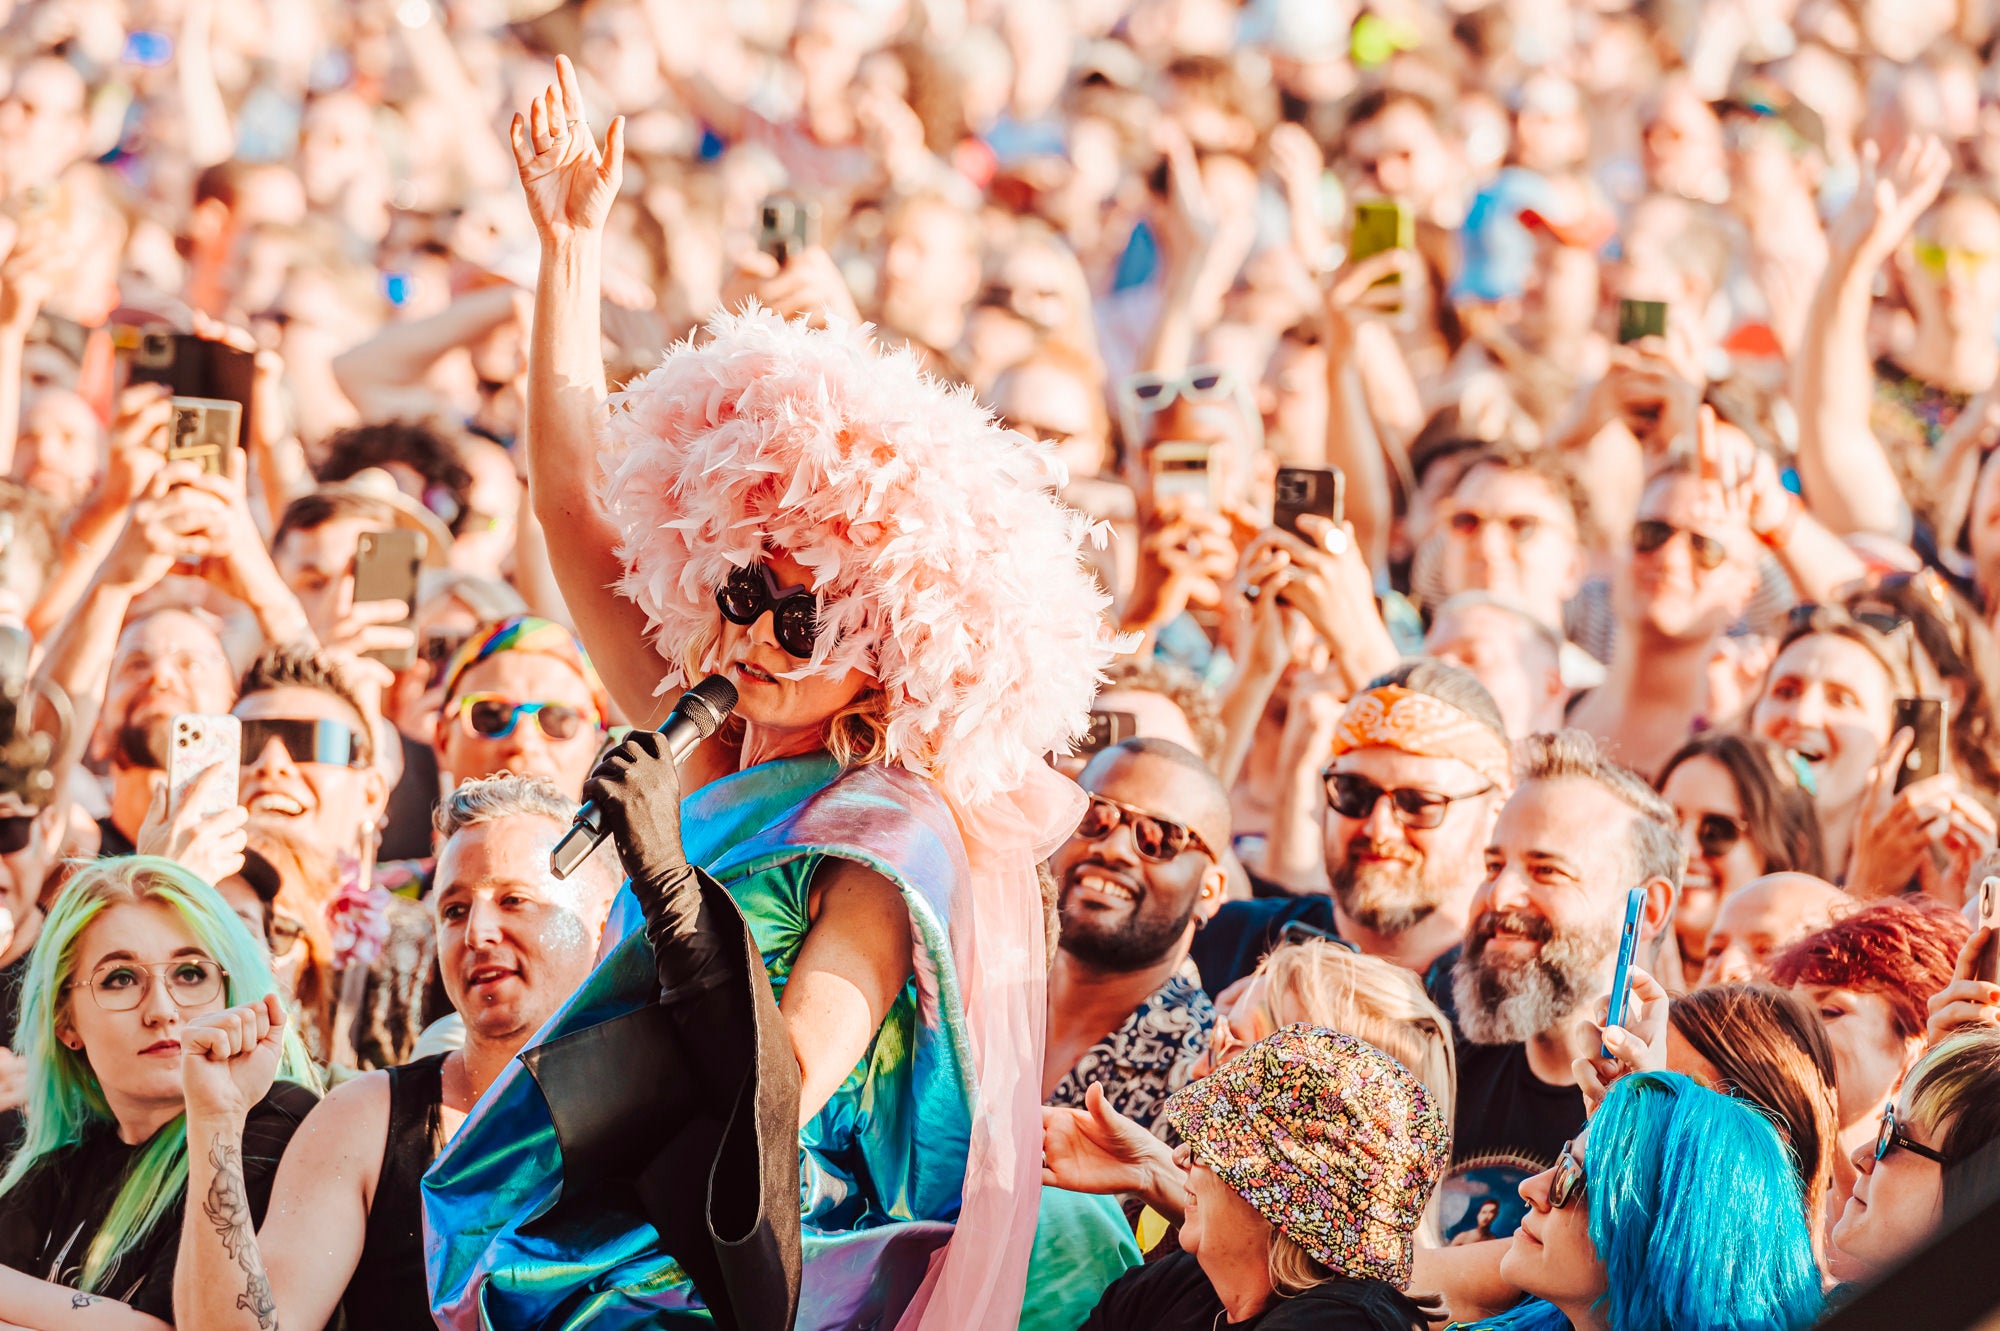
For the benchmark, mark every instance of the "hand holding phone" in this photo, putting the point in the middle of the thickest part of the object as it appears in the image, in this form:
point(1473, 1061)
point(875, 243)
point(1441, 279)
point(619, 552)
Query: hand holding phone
point(1319, 491)
point(1924, 718)
point(386, 564)
point(1987, 967)
point(1628, 945)
point(201, 744)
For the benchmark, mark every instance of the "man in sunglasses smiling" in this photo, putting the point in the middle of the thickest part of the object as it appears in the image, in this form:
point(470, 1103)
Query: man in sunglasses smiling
point(1126, 1007)
point(520, 696)
point(1692, 572)
point(1418, 774)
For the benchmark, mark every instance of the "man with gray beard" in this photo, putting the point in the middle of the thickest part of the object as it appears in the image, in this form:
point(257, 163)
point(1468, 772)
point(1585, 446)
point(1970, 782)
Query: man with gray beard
point(1418, 771)
point(1578, 832)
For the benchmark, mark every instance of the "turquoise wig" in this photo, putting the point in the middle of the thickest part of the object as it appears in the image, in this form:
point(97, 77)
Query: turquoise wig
point(65, 1099)
point(1696, 1213)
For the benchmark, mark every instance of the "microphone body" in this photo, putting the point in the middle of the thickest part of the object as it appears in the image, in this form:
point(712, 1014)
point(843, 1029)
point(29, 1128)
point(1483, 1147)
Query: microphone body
point(695, 717)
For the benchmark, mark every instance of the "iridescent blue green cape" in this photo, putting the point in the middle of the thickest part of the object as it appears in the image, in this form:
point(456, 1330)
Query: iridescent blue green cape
point(881, 1165)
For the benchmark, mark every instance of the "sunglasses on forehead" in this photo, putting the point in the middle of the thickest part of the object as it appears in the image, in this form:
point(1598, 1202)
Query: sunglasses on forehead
point(327, 742)
point(747, 593)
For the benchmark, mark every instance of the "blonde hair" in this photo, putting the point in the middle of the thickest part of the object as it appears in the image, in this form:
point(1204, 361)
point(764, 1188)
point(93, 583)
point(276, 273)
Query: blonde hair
point(1292, 1269)
point(856, 735)
point(1323, 983)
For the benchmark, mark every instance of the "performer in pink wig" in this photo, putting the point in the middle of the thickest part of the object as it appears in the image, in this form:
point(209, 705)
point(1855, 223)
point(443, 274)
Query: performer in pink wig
point(892, 585)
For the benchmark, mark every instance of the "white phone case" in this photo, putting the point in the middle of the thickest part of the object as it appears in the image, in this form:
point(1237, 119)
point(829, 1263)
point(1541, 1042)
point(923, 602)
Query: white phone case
point(199, 743)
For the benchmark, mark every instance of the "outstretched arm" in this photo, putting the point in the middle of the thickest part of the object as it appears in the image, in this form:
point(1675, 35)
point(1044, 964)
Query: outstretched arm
point(1846, 474)
point(570, 186)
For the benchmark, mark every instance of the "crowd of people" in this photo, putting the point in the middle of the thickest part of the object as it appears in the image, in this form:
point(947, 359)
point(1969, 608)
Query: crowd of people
point(1361, 641)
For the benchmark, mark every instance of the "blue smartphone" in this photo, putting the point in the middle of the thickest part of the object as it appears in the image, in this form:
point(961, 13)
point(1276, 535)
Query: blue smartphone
point(397, 288)
point(1628, 943)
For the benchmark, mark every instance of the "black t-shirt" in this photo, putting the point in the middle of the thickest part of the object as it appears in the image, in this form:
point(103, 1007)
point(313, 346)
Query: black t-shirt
point(1238, 935)
point(111, 842)
point(1504, 1109)
point(47, 1221)
point(1173, 1294)
point(406, 833)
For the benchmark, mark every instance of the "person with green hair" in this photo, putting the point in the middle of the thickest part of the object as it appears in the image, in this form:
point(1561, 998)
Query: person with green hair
point(133, 951)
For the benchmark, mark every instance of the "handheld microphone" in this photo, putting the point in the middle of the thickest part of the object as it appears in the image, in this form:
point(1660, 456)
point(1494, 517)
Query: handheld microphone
point(694, 718)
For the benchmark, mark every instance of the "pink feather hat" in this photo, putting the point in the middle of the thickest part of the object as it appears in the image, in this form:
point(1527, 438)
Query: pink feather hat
point(946, 565)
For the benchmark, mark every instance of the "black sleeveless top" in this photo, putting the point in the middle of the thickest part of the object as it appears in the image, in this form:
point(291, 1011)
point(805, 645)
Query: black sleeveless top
point(388, 1289)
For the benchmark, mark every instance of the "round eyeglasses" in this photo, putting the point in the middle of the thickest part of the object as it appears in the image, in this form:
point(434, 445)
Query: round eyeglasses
point(747, 593)
point(120, 986)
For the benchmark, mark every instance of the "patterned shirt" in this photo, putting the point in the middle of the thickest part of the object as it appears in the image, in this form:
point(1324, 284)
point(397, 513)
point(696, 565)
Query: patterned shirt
point(1149, 1057)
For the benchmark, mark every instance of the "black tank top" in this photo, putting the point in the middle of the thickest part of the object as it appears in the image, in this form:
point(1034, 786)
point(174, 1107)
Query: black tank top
point(388, 1289)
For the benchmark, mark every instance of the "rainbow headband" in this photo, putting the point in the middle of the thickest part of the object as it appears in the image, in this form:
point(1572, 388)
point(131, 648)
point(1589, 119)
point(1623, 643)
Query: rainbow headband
point(528, 633)
point(1393, 717)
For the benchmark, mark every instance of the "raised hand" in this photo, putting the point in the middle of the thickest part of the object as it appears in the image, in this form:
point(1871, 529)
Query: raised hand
point(210, 846)
point(1891, 197)
point(1968, 1001)
point(1640, 1045)
point(229, 1059)
point(569, 183)
point(1096, 1149)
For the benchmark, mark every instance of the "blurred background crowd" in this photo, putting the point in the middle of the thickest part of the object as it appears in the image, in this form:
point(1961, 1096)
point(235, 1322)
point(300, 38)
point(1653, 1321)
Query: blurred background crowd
point(1639, 361)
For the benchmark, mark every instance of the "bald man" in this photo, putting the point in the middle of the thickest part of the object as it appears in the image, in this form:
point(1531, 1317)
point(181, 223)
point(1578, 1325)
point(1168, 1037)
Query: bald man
point(1763, 916)
point(1126, 1007)
point(1516, 656)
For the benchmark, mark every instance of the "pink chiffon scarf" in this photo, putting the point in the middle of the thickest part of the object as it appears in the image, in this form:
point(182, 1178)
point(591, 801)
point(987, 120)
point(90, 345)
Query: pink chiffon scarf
point(999, 942)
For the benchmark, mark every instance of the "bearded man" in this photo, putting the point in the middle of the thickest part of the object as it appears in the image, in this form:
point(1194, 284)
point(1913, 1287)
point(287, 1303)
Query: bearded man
point(1577, 834)
point(1418, 774)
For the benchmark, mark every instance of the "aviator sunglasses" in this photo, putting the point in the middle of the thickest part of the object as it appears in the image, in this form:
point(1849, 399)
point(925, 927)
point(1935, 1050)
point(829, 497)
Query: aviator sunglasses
point(747, 593)
point(1650, 535)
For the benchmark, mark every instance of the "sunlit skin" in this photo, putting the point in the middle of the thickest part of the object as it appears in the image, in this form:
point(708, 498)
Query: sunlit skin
point(1525, 547)
point(1698, 787)
point(1895, 1204)
point(1762, 917)
point(1869, 1057)
point(522, 677)
point(1551, 1256)
point(334, 804)
point(318, 566)
point(752, 660)
point(1831, 702)
point(135, 1055)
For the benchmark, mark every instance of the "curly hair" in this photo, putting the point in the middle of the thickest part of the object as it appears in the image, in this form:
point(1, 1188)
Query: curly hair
point(295, 665)
point(945, 564)
point(1179, 686)
point(1905, 949)
point(423, 446)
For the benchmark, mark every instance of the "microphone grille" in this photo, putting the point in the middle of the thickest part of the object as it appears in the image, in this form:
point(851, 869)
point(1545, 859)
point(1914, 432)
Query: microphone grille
point(709, 703)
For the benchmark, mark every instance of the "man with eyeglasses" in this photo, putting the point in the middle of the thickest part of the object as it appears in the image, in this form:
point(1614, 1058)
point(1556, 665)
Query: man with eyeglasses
point(1126, 1009)
point(1418, 772)
point(521, 696)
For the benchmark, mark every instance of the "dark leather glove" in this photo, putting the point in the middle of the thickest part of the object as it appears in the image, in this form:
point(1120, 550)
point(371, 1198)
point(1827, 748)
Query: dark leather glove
point(638, 795)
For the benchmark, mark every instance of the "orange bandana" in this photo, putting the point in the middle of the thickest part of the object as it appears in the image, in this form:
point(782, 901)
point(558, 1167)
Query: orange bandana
point(1394, 717)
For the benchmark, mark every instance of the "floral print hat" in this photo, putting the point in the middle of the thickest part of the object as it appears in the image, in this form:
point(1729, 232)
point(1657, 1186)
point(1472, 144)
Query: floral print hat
point(1333, 1141)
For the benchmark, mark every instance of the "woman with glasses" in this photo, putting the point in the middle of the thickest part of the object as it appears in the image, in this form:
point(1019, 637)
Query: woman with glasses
point(132, 951)
point(1742, 814)
point(1929, 1164)
point(1678, 1209)
point(889, 591)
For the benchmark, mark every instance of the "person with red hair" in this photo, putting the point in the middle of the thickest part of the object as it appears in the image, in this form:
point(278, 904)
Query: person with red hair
point(1871, 975)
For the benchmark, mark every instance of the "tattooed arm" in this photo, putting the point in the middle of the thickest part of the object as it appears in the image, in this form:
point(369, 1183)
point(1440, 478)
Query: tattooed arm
point(291, 1272)
point(38, 1305)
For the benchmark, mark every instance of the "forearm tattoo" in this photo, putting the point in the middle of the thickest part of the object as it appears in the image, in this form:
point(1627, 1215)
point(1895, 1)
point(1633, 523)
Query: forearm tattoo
point(228, 1209)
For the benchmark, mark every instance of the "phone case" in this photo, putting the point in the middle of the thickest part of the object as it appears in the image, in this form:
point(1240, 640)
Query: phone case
point(206, 430)
point(199, 743)
point(1300, 490)
point(1108, 728)
point(1628, 946)
point(1924, 718)
point(386, 564)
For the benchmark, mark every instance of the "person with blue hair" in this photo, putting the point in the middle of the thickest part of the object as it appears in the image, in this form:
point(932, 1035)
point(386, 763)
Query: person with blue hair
point(1678, 1209)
